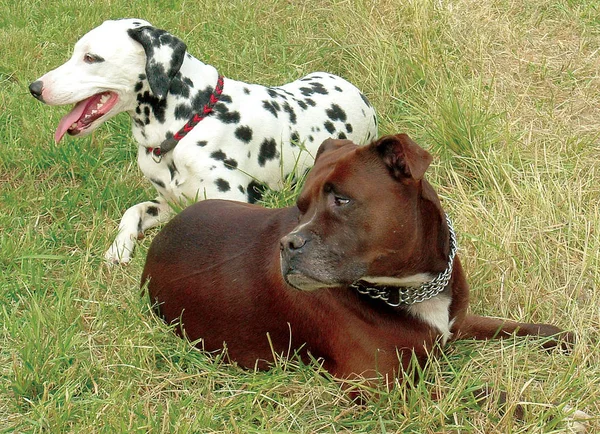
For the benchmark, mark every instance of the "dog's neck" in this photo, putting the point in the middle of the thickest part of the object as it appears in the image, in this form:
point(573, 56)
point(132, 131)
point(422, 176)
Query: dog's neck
point(155, 120)
point(406, 291)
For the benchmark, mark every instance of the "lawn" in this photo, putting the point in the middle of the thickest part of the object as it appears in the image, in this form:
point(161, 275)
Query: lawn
point(505, 94)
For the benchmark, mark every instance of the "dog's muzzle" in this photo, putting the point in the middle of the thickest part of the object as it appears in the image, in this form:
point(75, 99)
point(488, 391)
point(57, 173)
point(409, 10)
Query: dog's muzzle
point(36, 89)
point(290, 247)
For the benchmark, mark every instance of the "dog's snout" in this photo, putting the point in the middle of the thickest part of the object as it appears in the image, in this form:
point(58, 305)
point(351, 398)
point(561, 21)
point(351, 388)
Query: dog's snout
point(292, 242)
point(36, 89)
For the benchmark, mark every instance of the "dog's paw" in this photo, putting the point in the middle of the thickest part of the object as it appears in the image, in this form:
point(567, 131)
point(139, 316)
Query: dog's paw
point(557, 339)
point(119, 253)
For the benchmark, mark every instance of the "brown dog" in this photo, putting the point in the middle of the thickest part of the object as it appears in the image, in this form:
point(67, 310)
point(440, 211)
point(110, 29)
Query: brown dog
point(361, 274)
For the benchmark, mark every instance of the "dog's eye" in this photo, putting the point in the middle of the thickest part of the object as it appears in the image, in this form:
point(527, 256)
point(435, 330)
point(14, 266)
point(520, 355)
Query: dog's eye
point(92, 58)
point(340, 201)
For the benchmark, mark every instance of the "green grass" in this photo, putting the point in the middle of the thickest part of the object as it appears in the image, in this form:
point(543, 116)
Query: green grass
point(506, 94)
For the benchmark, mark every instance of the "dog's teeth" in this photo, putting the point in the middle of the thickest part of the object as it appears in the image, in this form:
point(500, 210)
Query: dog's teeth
point(104, 99)
point(94, 112)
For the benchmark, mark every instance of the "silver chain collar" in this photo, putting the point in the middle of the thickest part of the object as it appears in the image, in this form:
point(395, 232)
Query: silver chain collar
point(408, 295)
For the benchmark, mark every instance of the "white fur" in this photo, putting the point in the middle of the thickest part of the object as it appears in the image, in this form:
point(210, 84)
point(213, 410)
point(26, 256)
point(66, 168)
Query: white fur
point(414, 280)
point(435, 312)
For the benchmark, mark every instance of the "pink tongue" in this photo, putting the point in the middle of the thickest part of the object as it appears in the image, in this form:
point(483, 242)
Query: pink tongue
point(68, 120)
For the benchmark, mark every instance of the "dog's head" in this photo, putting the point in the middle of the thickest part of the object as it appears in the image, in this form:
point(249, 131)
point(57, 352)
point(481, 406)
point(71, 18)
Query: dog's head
point(109, 65)
point(366, 213)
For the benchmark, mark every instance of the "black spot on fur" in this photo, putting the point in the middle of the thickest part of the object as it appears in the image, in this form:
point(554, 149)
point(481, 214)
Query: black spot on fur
point(319, 88)
point(329, 127)
point(268, 151)
point(272, 93)
point(183, 111)
point(295, 138)
point(225, 99)
point(201, 98)
point(241, 189)
point(247, 91)
point(138, 86)
point(271, 106)
point(218, 155)
point(172, 169)
point(290, 111)
point(365, 100)
point(302, 105)
point(225, 116)
point(158, 182)
point(255, 191)
point(152, 210)
point(339, 89)
point(349, 128)
point(342, 135)
point(335, 113)
point(202, 143)
point(230, 163)
point(306, 91)
point(180, 86)
point(311, 139)
point(157, 105)
point(310, 102)
point(244, 133)
point(222, 185)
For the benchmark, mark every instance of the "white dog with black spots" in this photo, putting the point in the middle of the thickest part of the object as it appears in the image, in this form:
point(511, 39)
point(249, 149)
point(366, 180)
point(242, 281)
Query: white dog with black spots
point(200, 135)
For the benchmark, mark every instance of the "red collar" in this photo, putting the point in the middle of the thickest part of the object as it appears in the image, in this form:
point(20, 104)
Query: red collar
point(170, 143)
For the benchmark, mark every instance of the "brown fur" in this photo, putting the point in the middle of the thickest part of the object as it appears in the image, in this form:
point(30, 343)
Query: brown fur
point(216, 267)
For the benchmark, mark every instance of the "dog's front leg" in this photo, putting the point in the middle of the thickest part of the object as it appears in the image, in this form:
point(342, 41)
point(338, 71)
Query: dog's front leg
point(134, 223)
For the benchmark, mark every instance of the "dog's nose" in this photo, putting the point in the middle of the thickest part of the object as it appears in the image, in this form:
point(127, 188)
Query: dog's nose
point(36, 89)
point(292, 242)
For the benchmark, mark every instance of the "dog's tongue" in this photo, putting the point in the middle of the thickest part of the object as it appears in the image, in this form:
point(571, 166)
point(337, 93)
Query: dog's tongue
point(70, 118)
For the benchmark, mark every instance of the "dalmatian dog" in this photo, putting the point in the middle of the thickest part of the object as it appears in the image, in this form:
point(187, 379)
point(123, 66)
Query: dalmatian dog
point(199, 135)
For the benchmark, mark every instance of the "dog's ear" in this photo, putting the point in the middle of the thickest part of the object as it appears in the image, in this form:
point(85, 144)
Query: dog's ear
point(164, 56)
point(331, 144)
point(403, 156)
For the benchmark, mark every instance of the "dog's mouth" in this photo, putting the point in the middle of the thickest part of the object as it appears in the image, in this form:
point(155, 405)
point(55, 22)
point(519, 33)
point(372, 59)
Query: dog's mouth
point(304, 282)
point(84, 113)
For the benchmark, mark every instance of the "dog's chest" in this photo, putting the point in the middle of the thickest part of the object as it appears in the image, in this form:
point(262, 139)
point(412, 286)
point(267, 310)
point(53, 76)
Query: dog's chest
point(436, 313)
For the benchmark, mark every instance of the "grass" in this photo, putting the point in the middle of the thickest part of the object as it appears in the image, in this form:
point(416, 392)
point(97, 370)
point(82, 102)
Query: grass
point(506, 94)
